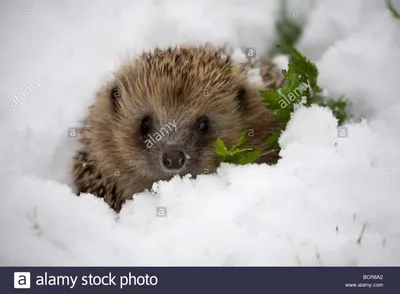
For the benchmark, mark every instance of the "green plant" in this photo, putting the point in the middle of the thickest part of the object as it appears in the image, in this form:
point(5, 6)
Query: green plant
point(338, 108)
point(300, 87)
point(238, 153)
point(362, 233)
point(390, 6)
point(287, 31)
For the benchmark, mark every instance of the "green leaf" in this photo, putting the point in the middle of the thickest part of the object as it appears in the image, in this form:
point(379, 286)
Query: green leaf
point(238, 153)
point(390, 6)
point(303, 69)
point(273, 140)
point(271, 98)
point(284, 114)
point(288, 31)
point(250, 157)
point(240, 142)
point(220, 148)
point(338, 108)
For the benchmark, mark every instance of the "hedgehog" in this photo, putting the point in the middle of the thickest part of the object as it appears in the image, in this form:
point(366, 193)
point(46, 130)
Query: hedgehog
point(160, 116)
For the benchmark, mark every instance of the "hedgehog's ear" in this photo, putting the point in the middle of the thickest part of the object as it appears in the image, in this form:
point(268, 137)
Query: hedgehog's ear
point(242, 98)
point(115, 96)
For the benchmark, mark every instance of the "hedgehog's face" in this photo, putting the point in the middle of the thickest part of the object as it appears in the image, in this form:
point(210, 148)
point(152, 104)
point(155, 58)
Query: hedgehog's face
point(163, 119)
point(175, 144)
point(172, 131)
point(165, 136)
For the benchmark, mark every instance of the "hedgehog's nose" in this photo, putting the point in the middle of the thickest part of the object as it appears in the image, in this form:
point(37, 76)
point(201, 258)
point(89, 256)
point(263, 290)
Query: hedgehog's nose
point(174, 159)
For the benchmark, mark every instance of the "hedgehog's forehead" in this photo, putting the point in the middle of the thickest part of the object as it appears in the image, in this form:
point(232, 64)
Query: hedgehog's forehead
point(200, 87)
point(188, 106)
point(181, 80)
point(174, 101)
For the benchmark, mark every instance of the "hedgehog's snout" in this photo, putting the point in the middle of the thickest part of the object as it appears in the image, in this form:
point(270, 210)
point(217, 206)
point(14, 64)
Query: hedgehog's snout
point(173, 159)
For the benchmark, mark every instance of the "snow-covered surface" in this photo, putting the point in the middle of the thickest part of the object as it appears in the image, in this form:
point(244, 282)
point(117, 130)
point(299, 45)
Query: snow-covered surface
point(309, 209)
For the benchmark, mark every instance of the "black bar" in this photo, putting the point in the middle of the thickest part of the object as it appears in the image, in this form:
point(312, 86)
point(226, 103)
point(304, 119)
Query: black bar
point(202, 280)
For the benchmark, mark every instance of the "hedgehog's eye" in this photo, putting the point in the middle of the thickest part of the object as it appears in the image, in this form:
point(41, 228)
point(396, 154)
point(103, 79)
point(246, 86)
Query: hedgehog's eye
point(202, 124)
point(145, 126)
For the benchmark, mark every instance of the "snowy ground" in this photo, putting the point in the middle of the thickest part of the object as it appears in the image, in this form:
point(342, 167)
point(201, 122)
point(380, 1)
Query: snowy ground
point(309, 209)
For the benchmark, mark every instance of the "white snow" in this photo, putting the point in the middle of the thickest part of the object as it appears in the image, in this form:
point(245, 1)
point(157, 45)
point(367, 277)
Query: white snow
point(309, 209)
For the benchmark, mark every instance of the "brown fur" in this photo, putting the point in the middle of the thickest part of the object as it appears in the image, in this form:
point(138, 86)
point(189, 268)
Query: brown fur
point(177, 84)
